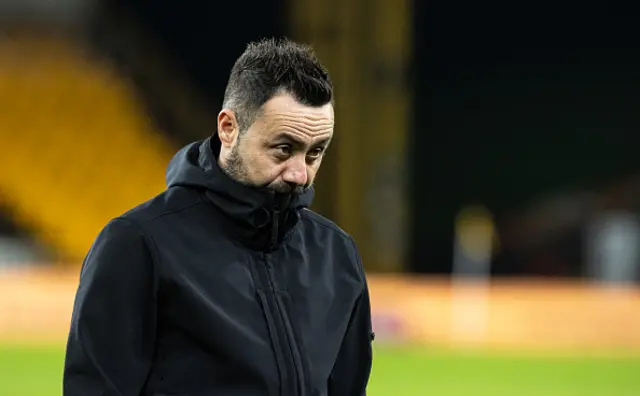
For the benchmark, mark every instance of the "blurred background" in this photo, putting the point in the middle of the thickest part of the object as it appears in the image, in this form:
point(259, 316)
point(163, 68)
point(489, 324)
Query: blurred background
point(485, 159)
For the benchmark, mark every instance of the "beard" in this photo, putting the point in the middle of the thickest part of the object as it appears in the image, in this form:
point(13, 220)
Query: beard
point(236, 168)
point(286, 188)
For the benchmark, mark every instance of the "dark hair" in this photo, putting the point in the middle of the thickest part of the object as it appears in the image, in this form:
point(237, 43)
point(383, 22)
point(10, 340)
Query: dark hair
point(269, 67)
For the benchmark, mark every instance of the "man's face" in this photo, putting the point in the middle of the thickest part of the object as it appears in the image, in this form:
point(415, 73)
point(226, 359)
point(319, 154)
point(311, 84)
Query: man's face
point(282, 149)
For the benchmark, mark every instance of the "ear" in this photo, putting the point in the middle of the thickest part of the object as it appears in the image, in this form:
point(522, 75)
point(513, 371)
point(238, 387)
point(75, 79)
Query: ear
point(228, 128)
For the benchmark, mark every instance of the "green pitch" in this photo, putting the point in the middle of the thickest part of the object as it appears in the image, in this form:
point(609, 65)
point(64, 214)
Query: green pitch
point(28, 371)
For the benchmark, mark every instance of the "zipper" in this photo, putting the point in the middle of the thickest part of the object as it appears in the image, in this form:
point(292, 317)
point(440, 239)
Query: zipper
point(276, 342)
point(289, 344)
point(275, 223)
point(286, 340)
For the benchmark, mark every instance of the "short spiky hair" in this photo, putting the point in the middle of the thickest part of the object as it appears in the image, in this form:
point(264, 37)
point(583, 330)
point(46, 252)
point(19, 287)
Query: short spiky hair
point(269, 67)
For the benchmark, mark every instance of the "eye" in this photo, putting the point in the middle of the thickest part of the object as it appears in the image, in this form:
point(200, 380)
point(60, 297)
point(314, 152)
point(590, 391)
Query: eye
point(283, 151)
point(315, 153)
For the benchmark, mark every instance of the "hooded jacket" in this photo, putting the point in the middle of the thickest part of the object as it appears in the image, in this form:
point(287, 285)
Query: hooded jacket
point(214, 288)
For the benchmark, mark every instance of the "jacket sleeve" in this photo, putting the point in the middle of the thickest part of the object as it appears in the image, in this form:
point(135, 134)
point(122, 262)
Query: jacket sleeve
point(350, 374)
point(112, 336)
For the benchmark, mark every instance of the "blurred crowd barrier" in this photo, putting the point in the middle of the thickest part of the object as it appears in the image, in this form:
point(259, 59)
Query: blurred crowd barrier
point(36, 305)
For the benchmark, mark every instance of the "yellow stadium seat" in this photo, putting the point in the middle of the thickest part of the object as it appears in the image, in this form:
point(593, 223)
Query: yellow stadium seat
point(76, 147)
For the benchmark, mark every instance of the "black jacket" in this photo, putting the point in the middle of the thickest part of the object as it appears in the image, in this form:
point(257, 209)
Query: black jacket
point(213, 288)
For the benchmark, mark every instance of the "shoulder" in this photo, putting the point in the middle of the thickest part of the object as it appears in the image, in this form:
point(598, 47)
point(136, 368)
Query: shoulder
point(327, 230)
point(138, 223)
point(120, 247)
point(317, 220)
point(163, 206)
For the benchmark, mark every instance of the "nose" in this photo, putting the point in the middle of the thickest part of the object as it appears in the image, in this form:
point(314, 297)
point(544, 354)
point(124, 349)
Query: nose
point(296, 172)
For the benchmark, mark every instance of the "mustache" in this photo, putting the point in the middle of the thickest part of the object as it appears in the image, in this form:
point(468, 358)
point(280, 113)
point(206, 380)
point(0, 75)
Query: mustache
point(287, 188)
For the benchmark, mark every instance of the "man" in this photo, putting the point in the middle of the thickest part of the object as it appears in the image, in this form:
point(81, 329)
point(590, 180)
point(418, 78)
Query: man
point(226, 284)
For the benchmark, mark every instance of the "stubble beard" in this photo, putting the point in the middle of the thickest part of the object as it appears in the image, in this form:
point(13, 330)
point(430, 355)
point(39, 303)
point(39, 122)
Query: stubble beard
point(236, 169)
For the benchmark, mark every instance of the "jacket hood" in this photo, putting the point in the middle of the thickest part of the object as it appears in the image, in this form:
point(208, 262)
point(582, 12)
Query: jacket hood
point(196, 166)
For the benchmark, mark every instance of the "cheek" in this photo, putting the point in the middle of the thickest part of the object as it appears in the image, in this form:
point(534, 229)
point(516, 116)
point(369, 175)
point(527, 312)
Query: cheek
point(263, 168)
point(312, 170)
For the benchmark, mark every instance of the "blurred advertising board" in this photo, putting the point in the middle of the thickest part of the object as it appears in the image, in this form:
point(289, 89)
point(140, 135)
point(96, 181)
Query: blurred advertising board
point(510, 314)
point(35, 306)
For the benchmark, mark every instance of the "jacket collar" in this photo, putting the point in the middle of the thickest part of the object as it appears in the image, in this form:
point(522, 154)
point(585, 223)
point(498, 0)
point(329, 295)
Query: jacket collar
point(253, 210)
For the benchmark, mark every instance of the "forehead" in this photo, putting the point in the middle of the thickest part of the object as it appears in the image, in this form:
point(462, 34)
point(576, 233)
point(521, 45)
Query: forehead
point(283, 113)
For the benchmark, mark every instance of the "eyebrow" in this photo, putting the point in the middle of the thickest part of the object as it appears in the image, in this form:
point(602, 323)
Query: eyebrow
point(298, 142)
